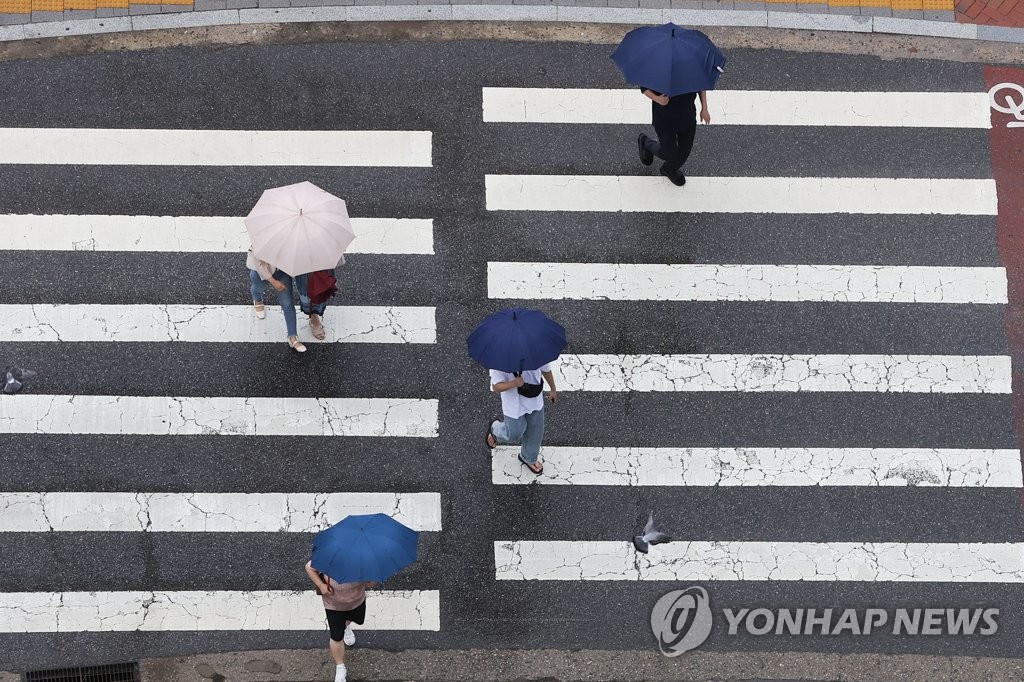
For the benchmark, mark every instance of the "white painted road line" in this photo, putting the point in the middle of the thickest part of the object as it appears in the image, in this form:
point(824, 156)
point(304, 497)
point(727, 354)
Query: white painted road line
point(158, 147)
point(772, 372)
point(210, 324)
point(31, 512)
point(204, 611)
point(811, 561)
point(161, 416)
point(746, 107)
point(634, 193)
point(189, 234)
point(953, 468)
point(658, 282)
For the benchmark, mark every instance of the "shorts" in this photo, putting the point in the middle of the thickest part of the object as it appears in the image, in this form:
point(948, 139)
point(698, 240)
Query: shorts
point(336, 620)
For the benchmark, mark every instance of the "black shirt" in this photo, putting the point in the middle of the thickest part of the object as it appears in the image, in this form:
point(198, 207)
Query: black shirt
point(680, 112)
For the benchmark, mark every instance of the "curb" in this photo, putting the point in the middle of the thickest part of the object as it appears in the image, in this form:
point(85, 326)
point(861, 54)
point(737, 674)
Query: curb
point(515, 13)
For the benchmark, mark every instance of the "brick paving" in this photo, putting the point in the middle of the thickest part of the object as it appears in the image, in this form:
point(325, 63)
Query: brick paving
point(991, 12)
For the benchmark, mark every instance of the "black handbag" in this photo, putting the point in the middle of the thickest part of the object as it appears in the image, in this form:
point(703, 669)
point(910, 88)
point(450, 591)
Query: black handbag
point(529, 390)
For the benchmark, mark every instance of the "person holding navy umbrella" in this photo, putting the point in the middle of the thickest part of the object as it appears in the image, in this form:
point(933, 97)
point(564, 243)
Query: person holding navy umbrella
point(359, 552)
point(517, 346)
point(673, 67)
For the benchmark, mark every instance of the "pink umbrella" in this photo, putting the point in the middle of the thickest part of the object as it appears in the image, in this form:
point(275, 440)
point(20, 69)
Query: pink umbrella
point(299, 228)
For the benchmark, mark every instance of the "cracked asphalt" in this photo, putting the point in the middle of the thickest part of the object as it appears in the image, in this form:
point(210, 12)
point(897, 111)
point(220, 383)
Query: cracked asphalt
point(436, 87)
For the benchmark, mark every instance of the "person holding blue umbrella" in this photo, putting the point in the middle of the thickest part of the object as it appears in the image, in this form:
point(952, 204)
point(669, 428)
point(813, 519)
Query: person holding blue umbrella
point(360, 552)
point(517, 346)
point(673, 67)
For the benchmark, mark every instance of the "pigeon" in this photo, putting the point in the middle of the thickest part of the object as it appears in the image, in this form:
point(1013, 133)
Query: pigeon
point(651, 536)
point(15, 378)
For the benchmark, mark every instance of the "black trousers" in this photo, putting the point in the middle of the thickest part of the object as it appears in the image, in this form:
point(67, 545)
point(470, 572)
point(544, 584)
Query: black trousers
point(673, 146)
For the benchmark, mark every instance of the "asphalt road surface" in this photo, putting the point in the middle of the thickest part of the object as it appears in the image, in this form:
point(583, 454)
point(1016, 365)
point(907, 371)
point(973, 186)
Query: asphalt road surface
point(918, 523)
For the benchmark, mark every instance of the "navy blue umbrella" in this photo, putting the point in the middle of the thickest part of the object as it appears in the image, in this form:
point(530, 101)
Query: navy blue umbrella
point(364, 548)
point(669, 59)
point(516, 339)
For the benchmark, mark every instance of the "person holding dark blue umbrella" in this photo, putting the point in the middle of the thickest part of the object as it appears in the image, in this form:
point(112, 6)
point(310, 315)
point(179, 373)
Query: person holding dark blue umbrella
point(673, 67)
point(357, 553)
point(517, 346)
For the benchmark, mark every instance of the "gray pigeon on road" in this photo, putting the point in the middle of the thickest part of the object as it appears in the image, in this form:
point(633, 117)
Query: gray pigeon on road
point(15, 378)
point(651, 536)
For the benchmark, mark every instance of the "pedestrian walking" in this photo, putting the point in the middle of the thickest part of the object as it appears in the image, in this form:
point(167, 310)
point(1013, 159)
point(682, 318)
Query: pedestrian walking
point(673, 66)
point(261, 275)
point(345, 603)
point(314, 289)
point(675, 123)
point(304, 231)
point(522, 403)
point(358, 552)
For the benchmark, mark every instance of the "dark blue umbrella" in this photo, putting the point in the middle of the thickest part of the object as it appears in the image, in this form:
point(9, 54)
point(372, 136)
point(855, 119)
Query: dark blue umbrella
point(669, 59)
point(364, 548)
point(516, 339)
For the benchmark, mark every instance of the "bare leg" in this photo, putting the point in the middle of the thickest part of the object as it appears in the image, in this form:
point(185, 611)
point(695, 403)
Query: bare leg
point(338, 651)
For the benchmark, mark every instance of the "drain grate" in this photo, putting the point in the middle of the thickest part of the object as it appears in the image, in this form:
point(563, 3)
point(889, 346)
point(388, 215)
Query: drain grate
point(114, 672)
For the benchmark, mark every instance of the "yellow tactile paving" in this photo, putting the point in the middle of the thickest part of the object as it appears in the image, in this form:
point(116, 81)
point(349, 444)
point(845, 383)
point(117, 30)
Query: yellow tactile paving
point(943, 5)
point(112, 4)
point(15, 6)
point(906, 4)
point(844, 3)
point(79, 4)
point(47, 5)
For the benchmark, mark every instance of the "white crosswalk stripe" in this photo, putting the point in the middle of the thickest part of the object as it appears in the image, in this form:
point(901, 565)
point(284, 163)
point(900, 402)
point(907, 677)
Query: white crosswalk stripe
point(746, 107)
point(189, 234)
point(208, 512)
point(211, 324)
point(226, 416)
point(678, 467)
point(191, 611)
point(746, 561)
point(772, 372)
point(741, 195)
point(658, 282)
point(126, 146)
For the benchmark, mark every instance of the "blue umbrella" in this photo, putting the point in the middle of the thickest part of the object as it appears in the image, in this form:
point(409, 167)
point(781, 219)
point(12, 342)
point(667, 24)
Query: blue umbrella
point(516, 339)
point(669, 59)
point(364, 548)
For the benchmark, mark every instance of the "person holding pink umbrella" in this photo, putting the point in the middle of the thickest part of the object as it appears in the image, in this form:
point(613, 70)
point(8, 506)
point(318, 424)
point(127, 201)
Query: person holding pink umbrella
point(299, 234)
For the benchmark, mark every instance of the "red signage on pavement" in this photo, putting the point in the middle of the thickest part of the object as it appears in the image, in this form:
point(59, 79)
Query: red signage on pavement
point(1006, 142)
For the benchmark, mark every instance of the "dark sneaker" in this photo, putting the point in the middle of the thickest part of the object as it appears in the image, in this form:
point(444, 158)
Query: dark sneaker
point(678, 179)
point(646, 158)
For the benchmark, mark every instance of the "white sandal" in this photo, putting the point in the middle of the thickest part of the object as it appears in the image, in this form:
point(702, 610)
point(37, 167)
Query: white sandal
point(296, 345)
point(261, 310)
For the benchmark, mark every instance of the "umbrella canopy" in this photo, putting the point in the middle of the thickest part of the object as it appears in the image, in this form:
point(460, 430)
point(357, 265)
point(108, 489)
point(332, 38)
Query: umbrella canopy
point(516, 339)
point(669, 59)
point(299, 228)
point(364, 548)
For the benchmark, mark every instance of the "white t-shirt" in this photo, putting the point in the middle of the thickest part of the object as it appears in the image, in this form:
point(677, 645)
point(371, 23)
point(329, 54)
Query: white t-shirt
point(513, 404)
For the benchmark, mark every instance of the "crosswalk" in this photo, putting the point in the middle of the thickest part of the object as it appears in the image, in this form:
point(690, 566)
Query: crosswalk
point(655, 378)
point(111, 323)
point(583, 472)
